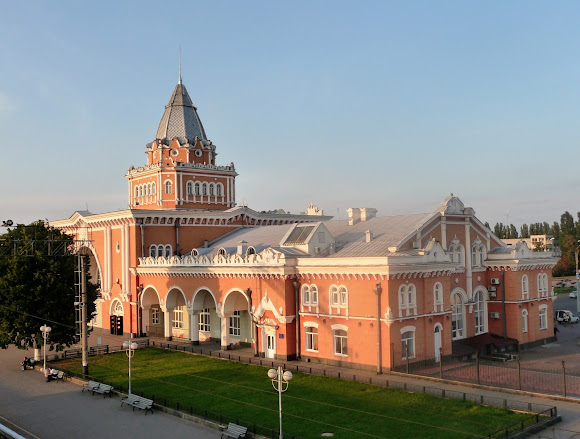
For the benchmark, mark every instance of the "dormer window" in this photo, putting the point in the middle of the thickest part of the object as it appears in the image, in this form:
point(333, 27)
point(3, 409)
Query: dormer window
point(251, 251)
point(222, 252)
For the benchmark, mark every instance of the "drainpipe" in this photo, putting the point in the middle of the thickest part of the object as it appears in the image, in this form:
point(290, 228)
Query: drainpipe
point(254, 324)
point(378, 290)
point(296, 285)
point(142, 240)
point(503, 306)
point(177, 252)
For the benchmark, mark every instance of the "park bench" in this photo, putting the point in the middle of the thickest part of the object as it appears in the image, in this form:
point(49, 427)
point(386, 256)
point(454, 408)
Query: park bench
point(96, 387)
point(234, 430)
point(139, 402)
point(60, 376)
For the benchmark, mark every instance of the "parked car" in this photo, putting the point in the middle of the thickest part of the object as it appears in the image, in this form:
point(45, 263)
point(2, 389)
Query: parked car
point(563, 316)
point(572, 295)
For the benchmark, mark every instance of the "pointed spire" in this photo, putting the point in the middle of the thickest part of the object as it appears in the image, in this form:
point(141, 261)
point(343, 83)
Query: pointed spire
point(179, 82)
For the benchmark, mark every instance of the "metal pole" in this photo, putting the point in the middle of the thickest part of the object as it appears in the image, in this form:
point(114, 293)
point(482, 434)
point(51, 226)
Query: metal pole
point(564, 377)
point(441, 363)
point(504, 321)
point(477, 364)
point(44, 332)
point(577, 283)
point(130, 355)
point(280, 398)
point(519, 374)
point(378, 290)
point(85, 344)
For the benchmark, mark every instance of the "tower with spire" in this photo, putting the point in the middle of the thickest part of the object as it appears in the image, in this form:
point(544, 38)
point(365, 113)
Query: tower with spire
point(181, 171)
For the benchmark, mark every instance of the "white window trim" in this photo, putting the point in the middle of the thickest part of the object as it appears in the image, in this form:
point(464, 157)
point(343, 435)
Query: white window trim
point(177, 318)
point(410, 308)
point(525, 316)
point(411, 329)
point(438, 304)
point(306, 334)
point(525, 287)
point(334, 336)
point(543, 309)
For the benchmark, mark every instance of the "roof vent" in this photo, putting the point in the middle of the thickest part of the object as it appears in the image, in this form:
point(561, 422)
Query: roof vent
point(366, 213)
point(242, 247)
point(369, 235)
point(353, 215)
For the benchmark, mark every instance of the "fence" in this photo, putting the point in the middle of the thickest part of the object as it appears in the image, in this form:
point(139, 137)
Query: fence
point(539, 413)
point(503, 372)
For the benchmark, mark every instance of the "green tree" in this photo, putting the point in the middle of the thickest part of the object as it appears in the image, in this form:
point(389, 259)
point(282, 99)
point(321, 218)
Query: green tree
point(512, 232)
point(567, 224)
point(524, 231)
point(37, 286)
point(555, 230)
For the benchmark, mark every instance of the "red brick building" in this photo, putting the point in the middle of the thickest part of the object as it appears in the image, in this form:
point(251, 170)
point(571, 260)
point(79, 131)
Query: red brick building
point(185, 261)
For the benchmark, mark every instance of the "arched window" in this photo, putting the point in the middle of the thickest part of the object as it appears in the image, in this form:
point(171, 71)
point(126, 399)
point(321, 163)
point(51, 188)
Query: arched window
point(313, 295)
point(334, 299)
point(305, 295)
point(189, 188)
point(438, 297)
point(343, 295)
point(204, 189)
point(525, 287)
point(153, 190)
point(455, 252)
point(251, 251)
point(457, 316)
point(408, 342)
point(136, 191)
point(407, 300)
point(311, 333)
point(197, 188)
point(153, 251)
point(219, 190)
point(340, 342)
point(479, 313)
point(524, 321)
point(211, 189)
point(222, 252)
point(167, 251)
point(168, 187)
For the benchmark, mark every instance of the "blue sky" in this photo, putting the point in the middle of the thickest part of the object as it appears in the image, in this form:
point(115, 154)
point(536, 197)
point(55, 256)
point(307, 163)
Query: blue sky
point(391, 105)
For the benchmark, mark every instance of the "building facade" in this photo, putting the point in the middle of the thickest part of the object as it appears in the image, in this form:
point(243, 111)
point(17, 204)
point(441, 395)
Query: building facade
point(368, 292)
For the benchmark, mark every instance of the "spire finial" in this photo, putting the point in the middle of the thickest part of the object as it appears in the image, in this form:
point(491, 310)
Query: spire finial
point(179, 82)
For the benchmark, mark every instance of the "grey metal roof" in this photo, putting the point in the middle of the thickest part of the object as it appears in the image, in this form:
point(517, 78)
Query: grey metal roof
point(387, 231)
point(180, 118)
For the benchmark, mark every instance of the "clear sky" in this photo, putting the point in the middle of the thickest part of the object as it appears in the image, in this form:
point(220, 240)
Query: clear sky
point(382, 104)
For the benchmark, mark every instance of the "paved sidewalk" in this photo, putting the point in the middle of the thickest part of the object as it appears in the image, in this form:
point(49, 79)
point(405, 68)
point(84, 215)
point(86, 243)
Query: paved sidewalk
point(57, 410)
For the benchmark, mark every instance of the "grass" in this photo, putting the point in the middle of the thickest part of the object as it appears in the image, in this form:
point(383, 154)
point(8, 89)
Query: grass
point(312, 405)
point(564, 290)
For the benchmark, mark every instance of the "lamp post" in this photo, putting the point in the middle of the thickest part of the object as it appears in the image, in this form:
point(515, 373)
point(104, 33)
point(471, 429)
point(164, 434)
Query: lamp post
point(577, 278)
point(130, 351)
point(45, 331)
point(277, 376)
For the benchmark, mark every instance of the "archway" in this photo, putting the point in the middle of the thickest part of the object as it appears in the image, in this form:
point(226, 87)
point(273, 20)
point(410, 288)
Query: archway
point(116, 313)
point(237, 322)
point(204, 319)
point(152, 313)
point(176, 322)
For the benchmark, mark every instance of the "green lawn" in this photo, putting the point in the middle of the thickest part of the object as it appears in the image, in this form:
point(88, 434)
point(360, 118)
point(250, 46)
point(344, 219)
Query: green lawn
point(312, 405)
point(564, 290)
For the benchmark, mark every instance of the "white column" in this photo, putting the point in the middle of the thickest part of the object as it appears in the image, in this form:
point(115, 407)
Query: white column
point(167, 322)
point(145, 316)
point(225, 334)
point(194, 327)
point(468, 262)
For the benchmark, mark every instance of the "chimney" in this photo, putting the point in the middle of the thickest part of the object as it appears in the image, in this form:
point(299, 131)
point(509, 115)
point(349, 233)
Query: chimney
point(242, 247)
point(331, 248)
point(353, 215)
point(369, 235)
point(366, 213)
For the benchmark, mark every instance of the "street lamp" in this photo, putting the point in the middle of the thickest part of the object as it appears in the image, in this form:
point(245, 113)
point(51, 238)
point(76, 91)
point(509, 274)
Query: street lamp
point(130, 351)
point(277, 376)
point(45, 331)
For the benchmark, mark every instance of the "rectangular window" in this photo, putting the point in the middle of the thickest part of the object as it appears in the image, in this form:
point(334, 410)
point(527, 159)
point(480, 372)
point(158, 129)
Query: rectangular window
point(154, 316)
point(235, 324)
point(311, 338)
point(178, 318)
point(408, 344)
point(340, 346)
point(204, 320)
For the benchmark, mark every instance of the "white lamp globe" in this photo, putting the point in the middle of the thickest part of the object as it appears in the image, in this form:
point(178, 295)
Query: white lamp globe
point(287, 376)
point(272, 374)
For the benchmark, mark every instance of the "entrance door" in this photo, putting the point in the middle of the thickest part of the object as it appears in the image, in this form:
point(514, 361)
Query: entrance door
point(437, 343)
point(116, 325)
point(270, 346)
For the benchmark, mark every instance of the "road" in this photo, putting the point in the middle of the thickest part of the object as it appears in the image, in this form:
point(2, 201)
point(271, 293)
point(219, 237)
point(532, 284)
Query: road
point(57, 410)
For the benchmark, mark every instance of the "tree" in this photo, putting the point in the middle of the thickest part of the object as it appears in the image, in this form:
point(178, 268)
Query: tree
point(512, 232)
point(37, 286)
point(524, 231)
